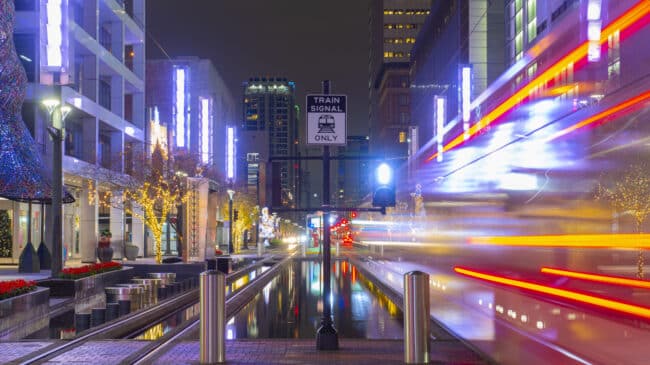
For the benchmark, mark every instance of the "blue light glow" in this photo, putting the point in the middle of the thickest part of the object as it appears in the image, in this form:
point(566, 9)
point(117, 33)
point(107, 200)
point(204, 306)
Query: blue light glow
point(179, 95)
point(54, 33)
point(384, 174)
point(206, 130)
point(230, 153)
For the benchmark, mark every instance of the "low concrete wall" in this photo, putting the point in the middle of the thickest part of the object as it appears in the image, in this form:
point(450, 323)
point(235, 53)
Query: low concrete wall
point(24, 314)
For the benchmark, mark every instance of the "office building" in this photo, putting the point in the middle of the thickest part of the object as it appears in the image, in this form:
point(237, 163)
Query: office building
point(394, 25)
point(88, 55)
point(269, 129)
point(190, 112)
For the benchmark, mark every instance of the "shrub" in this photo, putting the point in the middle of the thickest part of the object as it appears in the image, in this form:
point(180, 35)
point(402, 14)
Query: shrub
point(88, 270)
point(11, 288)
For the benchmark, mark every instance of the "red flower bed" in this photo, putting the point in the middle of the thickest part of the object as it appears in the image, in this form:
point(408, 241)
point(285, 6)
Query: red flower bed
point(12, 288)
point(88, 270)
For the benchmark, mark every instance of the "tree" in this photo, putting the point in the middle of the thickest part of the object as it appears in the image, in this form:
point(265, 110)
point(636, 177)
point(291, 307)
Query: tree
point(244, 203)
point(630, 195)
point(5, 234)
point(156, 185)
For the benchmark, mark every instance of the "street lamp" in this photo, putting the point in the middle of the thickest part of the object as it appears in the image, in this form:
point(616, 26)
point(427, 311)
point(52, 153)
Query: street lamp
point(57, 133)
point(230, 195)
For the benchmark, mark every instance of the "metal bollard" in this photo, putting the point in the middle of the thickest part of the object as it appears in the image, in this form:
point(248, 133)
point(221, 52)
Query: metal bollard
point(416, 317)
point(213, 317)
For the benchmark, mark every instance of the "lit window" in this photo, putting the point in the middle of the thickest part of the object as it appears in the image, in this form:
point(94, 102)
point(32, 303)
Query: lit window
point(518, 5)
point(614, 56)
point(532, 30)
point(519, 43)
point(402, 137)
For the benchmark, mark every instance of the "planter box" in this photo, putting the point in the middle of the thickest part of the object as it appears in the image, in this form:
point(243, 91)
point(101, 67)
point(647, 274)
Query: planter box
point(88, 292)
point(23, 312)
point(89, 286)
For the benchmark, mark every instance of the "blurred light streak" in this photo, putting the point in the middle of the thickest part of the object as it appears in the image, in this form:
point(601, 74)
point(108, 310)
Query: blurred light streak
point(562, 293)
point(395, 243)
point(587, 240)
point(599, 278)
point(628, 18)
point(604, 114)
point(371, 223)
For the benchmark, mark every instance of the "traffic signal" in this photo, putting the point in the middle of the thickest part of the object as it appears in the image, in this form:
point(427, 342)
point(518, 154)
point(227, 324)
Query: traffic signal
point(353, 214)
point(235, 215)
point(384, 194)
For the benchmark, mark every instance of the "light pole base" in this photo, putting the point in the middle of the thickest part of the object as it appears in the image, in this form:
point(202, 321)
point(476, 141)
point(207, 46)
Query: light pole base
point(327, 339)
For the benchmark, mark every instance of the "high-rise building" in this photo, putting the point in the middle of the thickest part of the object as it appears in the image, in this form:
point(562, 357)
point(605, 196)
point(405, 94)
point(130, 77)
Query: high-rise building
point(269, 129)
point(90, 56)
point(394, 25)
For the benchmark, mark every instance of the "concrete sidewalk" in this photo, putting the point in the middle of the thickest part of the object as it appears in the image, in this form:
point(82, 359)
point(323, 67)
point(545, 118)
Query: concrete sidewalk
point(301, 351)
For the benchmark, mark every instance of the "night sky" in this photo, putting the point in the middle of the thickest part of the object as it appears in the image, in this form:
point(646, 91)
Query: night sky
point(303, 40)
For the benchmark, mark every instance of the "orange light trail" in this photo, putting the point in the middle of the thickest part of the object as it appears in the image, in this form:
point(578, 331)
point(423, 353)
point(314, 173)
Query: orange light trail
point(638, 11)
point(594, 118)
point(599, 278)
point(574, 240)
point(562, 293)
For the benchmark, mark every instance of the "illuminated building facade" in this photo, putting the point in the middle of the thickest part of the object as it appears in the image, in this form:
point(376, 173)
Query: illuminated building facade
point(90, 56)
point(269, 129)
point(192, 112)
point(194, 106)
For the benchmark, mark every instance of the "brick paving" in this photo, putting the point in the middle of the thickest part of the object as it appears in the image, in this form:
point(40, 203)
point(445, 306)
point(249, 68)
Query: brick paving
point(10, 351)
point(109, 352)
point(293, 351)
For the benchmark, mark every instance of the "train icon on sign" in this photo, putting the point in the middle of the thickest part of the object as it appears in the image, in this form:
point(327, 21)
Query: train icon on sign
point(326, 124)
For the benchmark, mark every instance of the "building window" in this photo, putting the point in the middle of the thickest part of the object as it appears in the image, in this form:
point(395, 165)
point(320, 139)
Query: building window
point(403, 100)
point(532, 70)
point(402, 137)
point(614, 56)
point(105, 38)
point(404, 118)
point(105, 93)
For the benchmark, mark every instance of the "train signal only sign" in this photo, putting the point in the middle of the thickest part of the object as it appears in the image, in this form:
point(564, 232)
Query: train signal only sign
point(326, 119)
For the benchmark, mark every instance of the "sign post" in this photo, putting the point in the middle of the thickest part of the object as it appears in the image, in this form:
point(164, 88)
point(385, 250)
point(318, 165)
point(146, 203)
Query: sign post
point(326, 126)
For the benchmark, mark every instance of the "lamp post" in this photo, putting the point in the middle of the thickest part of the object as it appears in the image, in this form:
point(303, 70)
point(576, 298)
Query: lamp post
point(57, 114)
point(230, 195)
